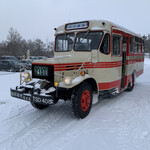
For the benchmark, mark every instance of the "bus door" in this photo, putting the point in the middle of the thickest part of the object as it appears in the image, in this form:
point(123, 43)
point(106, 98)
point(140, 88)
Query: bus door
point(124, 62)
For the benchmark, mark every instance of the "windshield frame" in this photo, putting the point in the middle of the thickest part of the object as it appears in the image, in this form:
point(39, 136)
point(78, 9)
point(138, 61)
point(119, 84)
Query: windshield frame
point(65, 34)
point(75, 37)
point(87, 32)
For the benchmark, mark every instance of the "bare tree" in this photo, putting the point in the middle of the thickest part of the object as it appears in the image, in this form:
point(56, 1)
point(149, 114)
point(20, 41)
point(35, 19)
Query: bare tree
point(15, 43)
point(147, 43)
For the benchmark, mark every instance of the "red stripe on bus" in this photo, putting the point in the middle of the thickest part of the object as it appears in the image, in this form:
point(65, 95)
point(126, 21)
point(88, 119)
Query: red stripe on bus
point(109, 85)
point(117, 83)
point(89, 65)
point(139, 73)
point(134, 61)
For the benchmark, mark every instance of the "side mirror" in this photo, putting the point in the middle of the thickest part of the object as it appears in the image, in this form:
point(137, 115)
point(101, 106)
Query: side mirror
point(94, 56)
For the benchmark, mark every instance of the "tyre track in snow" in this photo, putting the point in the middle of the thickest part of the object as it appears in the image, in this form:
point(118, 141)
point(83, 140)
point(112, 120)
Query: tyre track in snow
point(7, 73)
point(25, 138)
point(78, 127)
point(75, 127)
point(22, 110)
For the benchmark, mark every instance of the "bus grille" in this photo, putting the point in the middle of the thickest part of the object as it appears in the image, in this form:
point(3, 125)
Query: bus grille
point(43, 72)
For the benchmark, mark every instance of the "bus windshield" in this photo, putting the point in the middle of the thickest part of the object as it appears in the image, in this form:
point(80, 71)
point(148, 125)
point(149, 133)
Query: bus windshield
point(64, 42)
point(87, 41)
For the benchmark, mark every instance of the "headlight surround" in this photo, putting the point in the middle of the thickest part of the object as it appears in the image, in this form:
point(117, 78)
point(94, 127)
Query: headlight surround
point(26, 74)
point(25, 77)
point(67, 80)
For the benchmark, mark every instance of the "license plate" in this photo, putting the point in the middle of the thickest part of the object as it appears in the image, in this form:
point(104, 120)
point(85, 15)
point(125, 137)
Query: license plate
point(42, 100)
point(47, 100)
point(41, 71)
point(20, 95)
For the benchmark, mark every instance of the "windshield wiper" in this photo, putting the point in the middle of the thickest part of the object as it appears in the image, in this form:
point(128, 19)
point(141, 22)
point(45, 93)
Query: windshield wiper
point(85, 36)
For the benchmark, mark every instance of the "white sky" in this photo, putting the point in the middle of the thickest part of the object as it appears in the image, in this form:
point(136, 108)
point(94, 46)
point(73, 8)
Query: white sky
point(38, 18)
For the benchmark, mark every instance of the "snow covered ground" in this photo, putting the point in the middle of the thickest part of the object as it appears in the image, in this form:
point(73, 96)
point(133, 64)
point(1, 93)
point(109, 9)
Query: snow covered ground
point(120, 123)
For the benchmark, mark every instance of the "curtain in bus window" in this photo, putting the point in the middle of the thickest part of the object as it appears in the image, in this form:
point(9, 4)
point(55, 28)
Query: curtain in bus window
point(116, 45)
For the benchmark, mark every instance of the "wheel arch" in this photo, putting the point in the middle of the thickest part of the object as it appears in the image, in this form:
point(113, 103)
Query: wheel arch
point(93, 84)
point(91, 81)
point(134, 74)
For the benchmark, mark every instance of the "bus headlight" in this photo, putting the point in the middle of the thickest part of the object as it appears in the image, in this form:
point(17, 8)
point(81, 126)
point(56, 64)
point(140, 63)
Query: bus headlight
point(25, 77)
point(67, 80)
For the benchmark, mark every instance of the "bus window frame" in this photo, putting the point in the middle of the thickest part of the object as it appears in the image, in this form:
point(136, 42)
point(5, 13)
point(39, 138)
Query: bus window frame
point(87, 31)
point(135, 44)
point(143, 48)
point(140, 48)
point(120, 45)
point(63, 34)
point(130, 53)
point(109, 44)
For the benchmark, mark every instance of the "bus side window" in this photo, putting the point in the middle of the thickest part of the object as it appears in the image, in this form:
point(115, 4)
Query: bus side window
point(116, 42)
point(142, 48)
point(135, 48)
point(105, 47)
point(131, 45)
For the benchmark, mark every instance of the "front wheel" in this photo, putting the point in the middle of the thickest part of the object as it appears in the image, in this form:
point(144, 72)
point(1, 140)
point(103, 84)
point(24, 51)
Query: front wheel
point(38, 106)
point(81, 100)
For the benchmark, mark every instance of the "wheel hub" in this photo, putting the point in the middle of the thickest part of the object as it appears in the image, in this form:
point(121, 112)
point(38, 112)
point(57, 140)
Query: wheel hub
point(85, 100)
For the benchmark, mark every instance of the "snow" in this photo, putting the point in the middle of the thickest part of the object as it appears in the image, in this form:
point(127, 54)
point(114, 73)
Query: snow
point(119, 123)
point(96, 28)
point(79, 78)
point(51, 89)
point(64, 56)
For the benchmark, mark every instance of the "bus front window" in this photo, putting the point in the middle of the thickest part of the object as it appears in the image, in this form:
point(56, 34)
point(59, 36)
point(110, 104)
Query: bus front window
point(64, 42)
point(87, 41)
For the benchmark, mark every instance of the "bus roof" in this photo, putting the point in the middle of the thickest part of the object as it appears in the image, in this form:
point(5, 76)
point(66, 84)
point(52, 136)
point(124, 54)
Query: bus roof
point(92, 25)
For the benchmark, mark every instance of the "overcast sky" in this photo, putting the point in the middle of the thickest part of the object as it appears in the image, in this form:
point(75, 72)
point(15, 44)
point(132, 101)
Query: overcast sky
point(38, 18)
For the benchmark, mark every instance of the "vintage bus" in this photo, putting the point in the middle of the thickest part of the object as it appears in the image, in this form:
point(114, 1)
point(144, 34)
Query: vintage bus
point(90, 57)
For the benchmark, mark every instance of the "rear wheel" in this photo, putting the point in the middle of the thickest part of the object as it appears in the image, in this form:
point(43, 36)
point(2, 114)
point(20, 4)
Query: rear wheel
point(131, 84)
point(81, 100)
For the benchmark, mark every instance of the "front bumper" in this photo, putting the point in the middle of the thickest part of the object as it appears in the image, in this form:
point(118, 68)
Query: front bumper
point(28, 95)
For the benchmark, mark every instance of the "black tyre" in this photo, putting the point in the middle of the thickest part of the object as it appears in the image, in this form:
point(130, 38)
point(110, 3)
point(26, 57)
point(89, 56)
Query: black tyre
point(56, 100)
point(38, 106)
point(131, 84)
point(82, 100)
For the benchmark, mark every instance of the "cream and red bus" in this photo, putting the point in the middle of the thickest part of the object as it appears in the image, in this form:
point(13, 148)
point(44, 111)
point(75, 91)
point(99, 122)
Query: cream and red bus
point(90, 57)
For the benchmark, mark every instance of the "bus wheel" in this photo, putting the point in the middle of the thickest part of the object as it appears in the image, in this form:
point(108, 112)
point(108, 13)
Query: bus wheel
point(38, 106)
point(81, 100)
point(131, 84)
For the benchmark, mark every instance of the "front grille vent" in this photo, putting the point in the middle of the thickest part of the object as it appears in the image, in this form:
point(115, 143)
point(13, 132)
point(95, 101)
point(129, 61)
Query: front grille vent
point(49, 76)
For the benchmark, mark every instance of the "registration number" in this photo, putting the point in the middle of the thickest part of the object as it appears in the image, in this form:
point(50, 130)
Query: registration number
point(21, 96)
point(42, 100)
point(34, 98)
